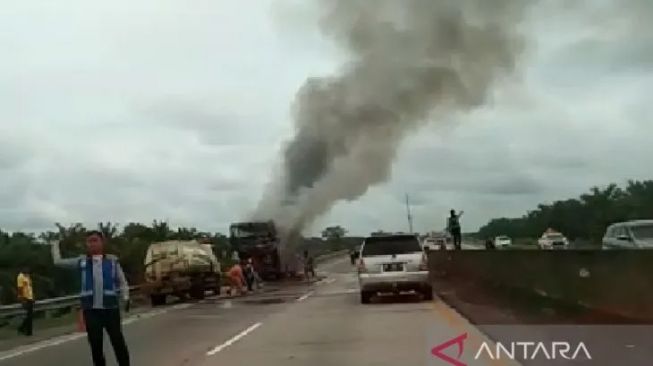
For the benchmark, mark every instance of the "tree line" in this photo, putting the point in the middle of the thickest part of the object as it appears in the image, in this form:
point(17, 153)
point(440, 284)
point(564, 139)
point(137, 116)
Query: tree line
point(582, 218)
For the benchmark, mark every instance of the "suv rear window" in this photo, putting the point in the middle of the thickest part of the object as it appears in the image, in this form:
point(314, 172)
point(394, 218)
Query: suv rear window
point(642, 231)
point(388, 245)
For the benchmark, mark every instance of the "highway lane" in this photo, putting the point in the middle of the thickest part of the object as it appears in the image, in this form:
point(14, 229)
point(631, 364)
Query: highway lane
point(320, 324)
point(329, 327)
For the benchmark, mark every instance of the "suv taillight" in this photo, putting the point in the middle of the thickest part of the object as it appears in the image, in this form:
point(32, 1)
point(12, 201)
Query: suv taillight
point(361, 266)
point(424, 266)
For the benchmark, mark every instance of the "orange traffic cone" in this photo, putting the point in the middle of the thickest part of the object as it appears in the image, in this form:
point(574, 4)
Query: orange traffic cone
point(81, 324)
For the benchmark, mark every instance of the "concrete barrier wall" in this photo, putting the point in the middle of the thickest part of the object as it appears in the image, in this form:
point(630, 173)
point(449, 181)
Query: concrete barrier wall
point(618, 282)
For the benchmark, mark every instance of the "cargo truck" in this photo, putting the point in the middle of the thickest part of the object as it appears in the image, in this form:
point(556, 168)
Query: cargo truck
point(259, 241)
point(182, 269)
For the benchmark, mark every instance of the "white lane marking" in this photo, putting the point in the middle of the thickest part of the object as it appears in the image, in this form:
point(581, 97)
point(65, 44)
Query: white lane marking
point(233, 340)
point(227, 305)
point(71, 337)
point(305, 296)
point(330, 280)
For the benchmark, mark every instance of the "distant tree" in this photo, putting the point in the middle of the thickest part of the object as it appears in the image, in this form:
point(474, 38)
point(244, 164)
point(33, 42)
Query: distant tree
point(584, 218)
point(108, 230)
point(161, 231)
point(184, 233)
point(334, 233)
point(380, 233)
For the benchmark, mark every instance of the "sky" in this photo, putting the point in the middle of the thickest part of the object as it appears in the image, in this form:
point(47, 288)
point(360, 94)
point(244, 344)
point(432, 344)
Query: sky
point(178, 111)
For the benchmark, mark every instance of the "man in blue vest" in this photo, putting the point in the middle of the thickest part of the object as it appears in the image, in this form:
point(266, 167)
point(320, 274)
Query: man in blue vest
point(103, 283)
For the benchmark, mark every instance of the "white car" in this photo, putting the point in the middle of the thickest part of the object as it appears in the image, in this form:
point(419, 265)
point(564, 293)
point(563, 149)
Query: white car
point(629, 235)
point(502, 241)
point(393, 264)
point(552, 240)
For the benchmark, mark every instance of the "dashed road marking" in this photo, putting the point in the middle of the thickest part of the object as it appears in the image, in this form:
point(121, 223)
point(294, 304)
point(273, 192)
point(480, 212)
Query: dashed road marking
point(305, 296)
point(233, 340)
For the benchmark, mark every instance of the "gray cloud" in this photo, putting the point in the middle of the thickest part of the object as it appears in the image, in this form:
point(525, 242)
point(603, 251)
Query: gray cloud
point(136, 111)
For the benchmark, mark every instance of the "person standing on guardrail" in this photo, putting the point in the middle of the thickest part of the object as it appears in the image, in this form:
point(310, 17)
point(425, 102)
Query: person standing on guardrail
point(103, 281)
point(26, 298)
point(453, 225)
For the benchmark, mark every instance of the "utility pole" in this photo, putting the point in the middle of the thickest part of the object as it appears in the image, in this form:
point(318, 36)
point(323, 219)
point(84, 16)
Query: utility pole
point(410, 216)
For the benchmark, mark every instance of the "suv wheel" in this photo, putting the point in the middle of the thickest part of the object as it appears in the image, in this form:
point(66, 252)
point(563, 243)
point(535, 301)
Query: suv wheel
point(366, 297)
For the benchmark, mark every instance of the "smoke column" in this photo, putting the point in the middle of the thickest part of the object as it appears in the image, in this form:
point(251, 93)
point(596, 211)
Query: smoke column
point(410, 62)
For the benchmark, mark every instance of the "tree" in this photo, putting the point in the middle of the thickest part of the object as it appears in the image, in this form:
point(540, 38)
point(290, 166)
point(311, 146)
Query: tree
point(334, 233)
point(161, 231)
point(585, 217)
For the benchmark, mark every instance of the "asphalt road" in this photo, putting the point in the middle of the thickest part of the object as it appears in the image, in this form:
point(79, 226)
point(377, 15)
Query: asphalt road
point(319, 324)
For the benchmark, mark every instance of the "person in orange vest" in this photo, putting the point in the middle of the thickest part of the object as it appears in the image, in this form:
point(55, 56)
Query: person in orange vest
point(237, 277)
point(26, 298)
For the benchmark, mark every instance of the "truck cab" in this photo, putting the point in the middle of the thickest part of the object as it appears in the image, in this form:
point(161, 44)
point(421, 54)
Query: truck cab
point(260, 242)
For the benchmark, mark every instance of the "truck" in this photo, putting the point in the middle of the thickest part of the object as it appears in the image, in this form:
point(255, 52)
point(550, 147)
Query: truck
point(259, 241)
point(180, 268)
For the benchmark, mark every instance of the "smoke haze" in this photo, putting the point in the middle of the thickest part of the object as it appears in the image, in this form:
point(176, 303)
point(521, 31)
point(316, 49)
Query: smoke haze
point(409, 62)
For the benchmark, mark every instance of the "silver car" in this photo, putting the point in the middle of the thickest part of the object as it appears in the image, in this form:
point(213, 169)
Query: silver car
point(629, 235)
point(393, 264)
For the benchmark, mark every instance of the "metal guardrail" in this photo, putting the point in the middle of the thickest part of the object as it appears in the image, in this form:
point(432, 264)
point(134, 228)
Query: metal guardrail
point(7, 311)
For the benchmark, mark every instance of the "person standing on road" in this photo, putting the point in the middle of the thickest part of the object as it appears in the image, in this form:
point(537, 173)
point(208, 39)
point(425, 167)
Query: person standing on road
point(250, 276)
point(453, 226)
point(102, 281)
point(26, 298)
point(237, 278)
point(309, 266)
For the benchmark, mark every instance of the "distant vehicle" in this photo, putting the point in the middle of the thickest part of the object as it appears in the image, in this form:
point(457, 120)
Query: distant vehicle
point(435, 241)
point(552, 239)
point(393, 263)
point(180, 268)
point(429, 244)
point(629, 235)
point(502, 241)
point(259, 241)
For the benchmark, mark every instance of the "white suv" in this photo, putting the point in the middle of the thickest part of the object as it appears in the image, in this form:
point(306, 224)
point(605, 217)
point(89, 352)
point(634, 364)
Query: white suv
point(553, 240)
point(629, 235)
point(502, 241)
point(393, 263)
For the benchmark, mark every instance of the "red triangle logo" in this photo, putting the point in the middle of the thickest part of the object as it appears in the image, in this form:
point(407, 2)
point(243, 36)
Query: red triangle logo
point(437, 351)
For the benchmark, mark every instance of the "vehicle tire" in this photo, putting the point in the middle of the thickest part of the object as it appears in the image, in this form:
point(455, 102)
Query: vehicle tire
point(158, 300)
point(366, 297)
point(428, 293)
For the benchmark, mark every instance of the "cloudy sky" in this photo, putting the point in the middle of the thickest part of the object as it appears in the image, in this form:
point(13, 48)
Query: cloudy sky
point(176, 110)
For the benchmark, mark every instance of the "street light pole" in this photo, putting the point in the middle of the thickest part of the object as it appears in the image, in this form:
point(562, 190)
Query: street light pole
point(410, 216)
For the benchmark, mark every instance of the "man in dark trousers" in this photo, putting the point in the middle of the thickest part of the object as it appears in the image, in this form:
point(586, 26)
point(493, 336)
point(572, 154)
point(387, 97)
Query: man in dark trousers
point(103, 283)
point(309, 265)
point(26, 298)
point(453, 225)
